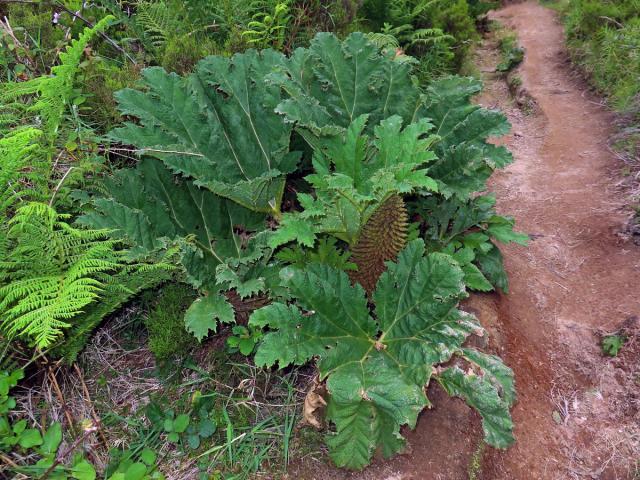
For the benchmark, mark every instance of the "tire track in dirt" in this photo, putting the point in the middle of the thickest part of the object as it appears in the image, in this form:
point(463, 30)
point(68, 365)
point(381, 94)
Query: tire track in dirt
point(577, 278)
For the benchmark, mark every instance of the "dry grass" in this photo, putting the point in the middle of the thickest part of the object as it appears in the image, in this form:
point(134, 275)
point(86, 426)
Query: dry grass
point(116, 378)
point(612, 450)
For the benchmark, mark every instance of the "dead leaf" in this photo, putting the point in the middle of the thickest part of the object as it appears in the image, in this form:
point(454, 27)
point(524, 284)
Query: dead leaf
point(314, 403)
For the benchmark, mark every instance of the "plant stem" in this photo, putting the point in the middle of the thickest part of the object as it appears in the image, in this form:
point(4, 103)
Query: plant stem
point(75, 444)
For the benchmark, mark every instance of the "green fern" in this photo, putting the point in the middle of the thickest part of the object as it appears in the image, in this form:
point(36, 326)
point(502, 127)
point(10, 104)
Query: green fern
point(384, 40)
point(267, 30)
point(50, 273)
point(54, 92)
point(156, 20)
point(428, 36)
point(21, 171)
point(406, 37)
point(409, 10)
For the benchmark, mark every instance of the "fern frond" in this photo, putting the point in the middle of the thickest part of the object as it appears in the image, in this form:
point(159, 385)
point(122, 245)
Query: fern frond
point(52, 273)
point(156, 22)
point(407, 11)
point(22, 174)
point(383, 40)
point(54, 92)
point(429, 36)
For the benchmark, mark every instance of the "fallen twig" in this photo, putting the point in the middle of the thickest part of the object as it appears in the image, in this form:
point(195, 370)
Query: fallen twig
point(96, 419)
point(56, 387)
point(87, 431)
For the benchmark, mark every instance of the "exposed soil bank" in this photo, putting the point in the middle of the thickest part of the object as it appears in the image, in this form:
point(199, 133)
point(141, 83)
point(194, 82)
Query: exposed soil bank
point(578, 413)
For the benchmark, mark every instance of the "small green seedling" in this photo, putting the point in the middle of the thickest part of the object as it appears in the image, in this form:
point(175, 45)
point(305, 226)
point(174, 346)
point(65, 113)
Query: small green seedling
point(204, 427)
point(7, 382)
point(144, 469)
point(188, 429)
point(174, 426)
point(611, 344)
point(244, 339)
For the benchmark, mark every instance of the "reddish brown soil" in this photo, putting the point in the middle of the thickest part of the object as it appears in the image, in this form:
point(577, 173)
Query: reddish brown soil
point(577, 279)
point(577, 416)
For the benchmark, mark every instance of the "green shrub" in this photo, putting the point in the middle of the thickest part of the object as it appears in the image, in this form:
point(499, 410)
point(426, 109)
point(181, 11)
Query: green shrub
point(165, 322)
point(454, 18)
point(604, 38)
point(376, 156)
point(511, 54)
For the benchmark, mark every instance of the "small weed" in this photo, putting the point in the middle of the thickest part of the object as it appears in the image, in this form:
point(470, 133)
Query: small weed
point(515, 82)
point(611, 344)
point(495, 26)
point(128, 464)
point(475, 465)
point(244, 339)
point(511, 54)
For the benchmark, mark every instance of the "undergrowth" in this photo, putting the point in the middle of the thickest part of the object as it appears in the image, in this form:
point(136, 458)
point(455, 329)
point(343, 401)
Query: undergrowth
point(168, 339)
point(272, 179)
point(511, 53)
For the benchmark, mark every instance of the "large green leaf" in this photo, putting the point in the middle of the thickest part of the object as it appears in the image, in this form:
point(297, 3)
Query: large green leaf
point(376, 367)
point(461, 171)
point(205, 313)
point(481, 393)
point(332, 83)
point(217, 126)
point(149, 207)
point(467, 230)
point(466, 158)
point(457, 120)
point(491, 264)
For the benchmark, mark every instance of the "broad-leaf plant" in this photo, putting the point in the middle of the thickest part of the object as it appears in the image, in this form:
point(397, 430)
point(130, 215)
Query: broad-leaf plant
point(377, 363)
point(349, 200)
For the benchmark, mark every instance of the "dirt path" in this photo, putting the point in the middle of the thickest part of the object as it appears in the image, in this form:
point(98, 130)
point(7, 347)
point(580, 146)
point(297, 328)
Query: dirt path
point(578, 413)
point(577, 278)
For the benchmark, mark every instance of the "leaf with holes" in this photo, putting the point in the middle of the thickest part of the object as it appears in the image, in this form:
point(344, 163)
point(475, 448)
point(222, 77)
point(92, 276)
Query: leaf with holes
point(148, 207)
point(375, 367)
point(217, 126)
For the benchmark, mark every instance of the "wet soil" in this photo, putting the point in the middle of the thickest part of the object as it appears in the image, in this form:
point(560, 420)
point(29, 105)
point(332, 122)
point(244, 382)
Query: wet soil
point(578, 411)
